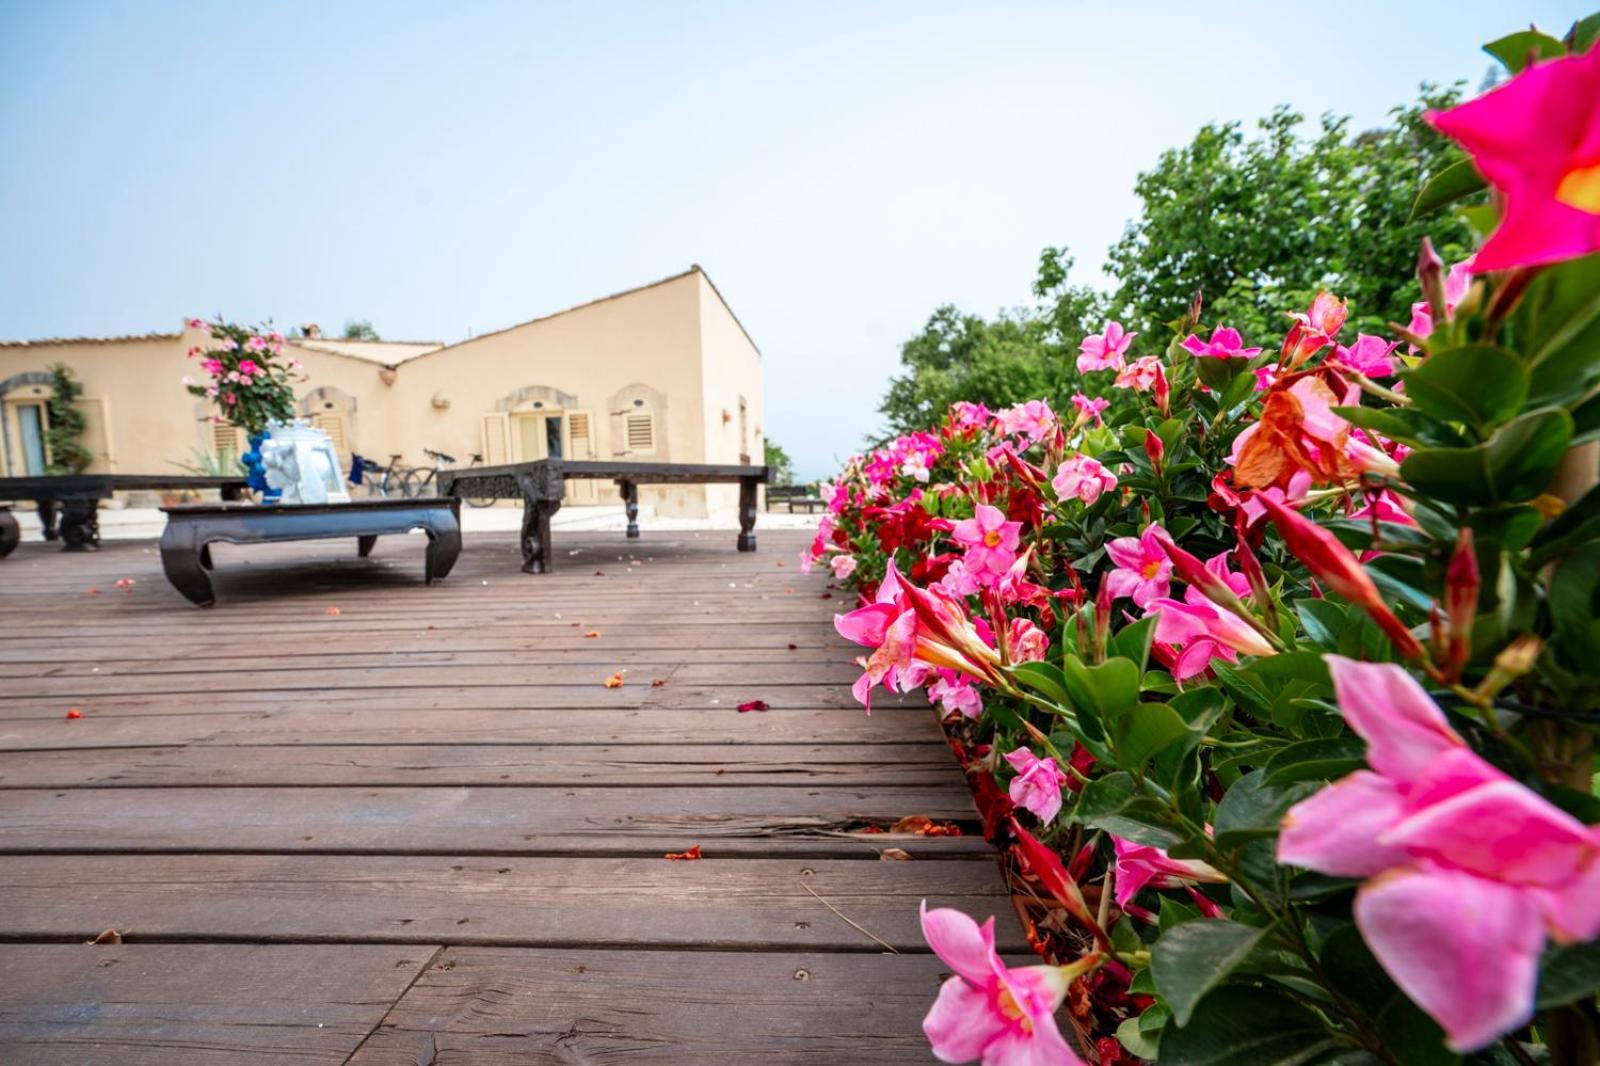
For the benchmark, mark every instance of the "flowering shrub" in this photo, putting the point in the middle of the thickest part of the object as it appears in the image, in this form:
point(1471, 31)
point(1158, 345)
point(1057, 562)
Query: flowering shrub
point(1277, 672)
point(247, 382)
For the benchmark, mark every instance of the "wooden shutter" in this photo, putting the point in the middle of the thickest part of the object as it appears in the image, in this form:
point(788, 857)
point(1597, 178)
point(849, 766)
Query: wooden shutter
point(332, 423)
point(496, 439)
point(580, 428)
point(227, 438)
point(641, 431)
point(96, 411)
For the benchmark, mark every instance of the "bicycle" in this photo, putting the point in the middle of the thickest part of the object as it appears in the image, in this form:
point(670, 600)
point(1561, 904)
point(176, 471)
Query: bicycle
point(391, 481)
point(419, 479)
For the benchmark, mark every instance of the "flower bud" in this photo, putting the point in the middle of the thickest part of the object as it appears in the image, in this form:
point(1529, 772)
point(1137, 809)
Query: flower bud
point(1461, 584)
point(1154, 449)
point(1430, 272)
point(1338, 568)
point(1250, 567)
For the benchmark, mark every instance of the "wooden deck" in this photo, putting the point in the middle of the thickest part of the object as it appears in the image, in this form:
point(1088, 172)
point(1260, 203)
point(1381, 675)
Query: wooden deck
point(421, 831)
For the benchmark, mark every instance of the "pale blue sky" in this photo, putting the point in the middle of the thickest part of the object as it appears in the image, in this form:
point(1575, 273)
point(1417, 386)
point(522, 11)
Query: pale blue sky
point(839, 168)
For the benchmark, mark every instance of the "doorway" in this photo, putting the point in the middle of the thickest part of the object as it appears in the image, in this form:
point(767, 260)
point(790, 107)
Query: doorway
point(547, 434)
point(540, 437)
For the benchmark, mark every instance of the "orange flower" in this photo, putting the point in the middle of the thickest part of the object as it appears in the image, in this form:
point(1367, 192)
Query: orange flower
point(332, 612)
point(592, 633)
point(74, 713)
point(614, 681)
point(684, 856)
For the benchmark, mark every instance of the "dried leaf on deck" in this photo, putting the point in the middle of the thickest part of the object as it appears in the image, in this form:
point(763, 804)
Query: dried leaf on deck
point(684, 856)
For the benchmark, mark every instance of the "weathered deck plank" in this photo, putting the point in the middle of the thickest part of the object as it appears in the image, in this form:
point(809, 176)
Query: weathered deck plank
point(290, 813)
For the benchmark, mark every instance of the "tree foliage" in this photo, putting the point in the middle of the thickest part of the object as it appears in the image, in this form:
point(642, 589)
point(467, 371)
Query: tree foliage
point(1257, 224)
point(780, 467)
point(360, 329)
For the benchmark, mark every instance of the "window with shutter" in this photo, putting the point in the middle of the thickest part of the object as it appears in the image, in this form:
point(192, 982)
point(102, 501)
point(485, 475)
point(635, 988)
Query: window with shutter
point(578, 428)
point(641, 428)
point(226, 439)
point(332, 424)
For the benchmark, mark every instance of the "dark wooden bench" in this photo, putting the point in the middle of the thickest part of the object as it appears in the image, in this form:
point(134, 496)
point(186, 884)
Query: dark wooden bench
point(78, 497)
point(540, 485)
point(10, 532)
point(186, 551)
point(793, 496)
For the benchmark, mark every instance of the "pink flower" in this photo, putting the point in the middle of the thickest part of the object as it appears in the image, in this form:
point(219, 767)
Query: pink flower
point(1143, 568)
point(990, 541)
point(228, 344)
point(967, 415)
point(200, 324)
point(1141, 375)
point(842, 566)
point(256, 344)
point(1204, 631)
point(1225, 343)
point(1469, 871)
point(1456, 281)
point(955, 693)
point(1026, 641)
point(230, 399)
point(1369, 355)
point(1033, 420)
point(1082, 478)
point(988, 1011)
point(188, 380)
point(1104, 351)
point(211, 366)
point(1313, 329)
point(1536, 139)
point(807, 560)
point(1037, 785)
point(1142, 866)
point(247, 367)
point(1090, 408)
point(1265, 376)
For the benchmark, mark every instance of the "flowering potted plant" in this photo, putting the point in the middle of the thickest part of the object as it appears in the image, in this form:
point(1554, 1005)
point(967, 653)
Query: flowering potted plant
point(247, 381)
point(1276, 670)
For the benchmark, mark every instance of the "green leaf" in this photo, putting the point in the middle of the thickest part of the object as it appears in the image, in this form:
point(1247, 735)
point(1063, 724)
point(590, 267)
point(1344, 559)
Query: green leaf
point(1456, 181)
point(1045, 679)
point(1349, 967)
point(1131, 1034)
point(1248, 1027)
point(1252, 809)
point(1109, 688)
point(1568, 974)
point(1514, 465)
point(1479, 385)
point(1144, 730)
point(1132, 642)
point(1193, 958)
point(1388, 421)
point(1315, 760)
point(1516, 50)
point(1585, 32)
point(1557, 324)
point(1114, 804)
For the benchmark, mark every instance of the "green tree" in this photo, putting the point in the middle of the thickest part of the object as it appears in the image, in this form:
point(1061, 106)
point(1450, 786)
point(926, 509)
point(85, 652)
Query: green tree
point(359, 329)
point(1258, 225)
point(68, 454)
point(780, 468)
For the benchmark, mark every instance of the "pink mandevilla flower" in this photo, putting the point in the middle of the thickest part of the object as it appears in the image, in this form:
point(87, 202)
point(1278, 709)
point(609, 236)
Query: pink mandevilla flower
point(1142, 866)
point(955, 693)
point(1369, 355)
point(1083, 479)
point(989, 1012)
point(1033, 420)
point(1143, 569)
point(842, 566)
point(990, 541)
point(1141, 375)
point(1204, 631)
point(1468, 870)
point(1090, 408)
point(1104, 351)
point(1456, 281)
point(1037, 785)
point(1536, 139)
point(1225, 343)
point(1028, 643)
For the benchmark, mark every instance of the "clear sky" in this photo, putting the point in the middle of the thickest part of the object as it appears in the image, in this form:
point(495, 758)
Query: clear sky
point(839, 169)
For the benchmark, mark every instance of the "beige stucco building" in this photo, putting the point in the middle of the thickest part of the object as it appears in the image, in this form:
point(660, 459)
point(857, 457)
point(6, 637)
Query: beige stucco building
point(662, 373)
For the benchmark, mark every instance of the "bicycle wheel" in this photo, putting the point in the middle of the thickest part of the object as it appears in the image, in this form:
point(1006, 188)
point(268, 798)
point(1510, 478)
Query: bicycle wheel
point(416, 483)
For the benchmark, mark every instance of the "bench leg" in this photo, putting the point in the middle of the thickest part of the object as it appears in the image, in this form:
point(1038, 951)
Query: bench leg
point(205, 557)
point(630, 500)
point(364, 545)
point(181, 552)
point(10, 533)
point(536, 549)
point(444, 546)
point(747, 514)
point(47, 519)
point(80, 525)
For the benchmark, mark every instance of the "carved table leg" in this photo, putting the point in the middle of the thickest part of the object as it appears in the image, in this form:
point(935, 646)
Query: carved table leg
point(630, 500)
point(10, 533)
point(180, 558)
point(47, 519)
point(444, 546)
point(364, 545)
point(747, 514)
point(536, 534)
point(205, 557)
point(80, 525)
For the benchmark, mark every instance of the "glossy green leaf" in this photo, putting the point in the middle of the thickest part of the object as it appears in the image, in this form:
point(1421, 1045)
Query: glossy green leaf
point(1322, 759)
point(1455, 182)
point(1193, 958)
point(1479, 385)
point(1557, 326)
point(1045, 679)
point(1514, 465)
point(1516, 50)
point(1569, 974)
point(1114, 803)
point(1144, 730)
point(1252, 809)
point(1249, 1027)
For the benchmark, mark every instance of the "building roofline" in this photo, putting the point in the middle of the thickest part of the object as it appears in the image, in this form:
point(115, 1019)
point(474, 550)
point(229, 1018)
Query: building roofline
point(122, 339)
point(696, 268)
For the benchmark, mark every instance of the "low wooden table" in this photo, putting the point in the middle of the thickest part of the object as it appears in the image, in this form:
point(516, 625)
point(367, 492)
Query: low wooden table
point(186, 552)
point(78, 496)
point(10, 532)
point(540, 485)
